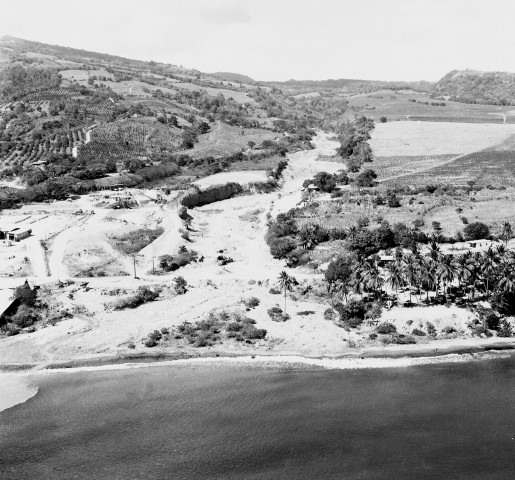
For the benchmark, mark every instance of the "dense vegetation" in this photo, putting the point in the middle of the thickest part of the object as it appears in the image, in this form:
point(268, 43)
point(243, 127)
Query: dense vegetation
point(469, 86)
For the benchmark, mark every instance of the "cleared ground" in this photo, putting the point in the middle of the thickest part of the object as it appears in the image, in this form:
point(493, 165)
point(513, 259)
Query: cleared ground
point(435, 138)
point(243, 178)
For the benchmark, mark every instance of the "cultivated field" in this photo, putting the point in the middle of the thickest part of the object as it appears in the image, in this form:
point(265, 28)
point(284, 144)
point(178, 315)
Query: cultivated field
point(239, 97)
point(226, 140)
point(435, 138)
point(396, 106)
point(484, 168)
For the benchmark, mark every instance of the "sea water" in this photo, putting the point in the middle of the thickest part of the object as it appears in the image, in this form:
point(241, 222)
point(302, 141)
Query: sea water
point(230, 421)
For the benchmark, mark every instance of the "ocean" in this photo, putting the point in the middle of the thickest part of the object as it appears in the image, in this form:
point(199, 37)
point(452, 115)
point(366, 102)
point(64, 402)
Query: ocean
point(237, 421)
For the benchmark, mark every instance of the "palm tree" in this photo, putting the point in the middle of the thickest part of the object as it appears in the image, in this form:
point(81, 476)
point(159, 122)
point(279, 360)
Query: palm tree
point(434, 251)
point(286, 283)
point(506, 280)
point(489, 263)
point(464, 268)
point(447, 270)
point(427, 273)
point(331, 287)
point(395, 277)
point(506, 232)
point(373, 279)
point(358, 280)
point(410, 271)
point(342, 287)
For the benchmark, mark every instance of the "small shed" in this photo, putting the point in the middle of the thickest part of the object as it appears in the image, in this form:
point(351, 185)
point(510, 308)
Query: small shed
point(18, 233)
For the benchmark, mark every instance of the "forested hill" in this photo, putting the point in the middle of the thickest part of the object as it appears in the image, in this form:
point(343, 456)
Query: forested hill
point(472, 86)
point(354, 86)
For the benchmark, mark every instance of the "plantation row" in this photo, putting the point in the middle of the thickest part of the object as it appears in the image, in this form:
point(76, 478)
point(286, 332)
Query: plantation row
point(29, 152)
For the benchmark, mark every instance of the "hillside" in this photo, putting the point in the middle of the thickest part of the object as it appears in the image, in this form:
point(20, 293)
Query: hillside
point(472, 86)
point(69, 117)
point(233, 77)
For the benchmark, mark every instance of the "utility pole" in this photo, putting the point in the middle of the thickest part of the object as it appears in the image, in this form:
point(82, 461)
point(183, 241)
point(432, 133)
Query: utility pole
point(153, 271)
point(134, 258)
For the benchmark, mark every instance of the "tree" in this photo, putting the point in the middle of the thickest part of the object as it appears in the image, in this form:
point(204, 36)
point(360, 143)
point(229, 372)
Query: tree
point(476, 231)
point(26, 295)
point(366, 178)
point(286, 284)
point(506, 232)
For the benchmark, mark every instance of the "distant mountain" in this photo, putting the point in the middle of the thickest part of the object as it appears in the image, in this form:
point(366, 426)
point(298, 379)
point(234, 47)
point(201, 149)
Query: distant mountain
point(472, 86)
point(233, 77)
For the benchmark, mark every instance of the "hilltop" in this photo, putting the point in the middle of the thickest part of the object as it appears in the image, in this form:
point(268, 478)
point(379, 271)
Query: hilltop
point(472, 86)
point(234, 77)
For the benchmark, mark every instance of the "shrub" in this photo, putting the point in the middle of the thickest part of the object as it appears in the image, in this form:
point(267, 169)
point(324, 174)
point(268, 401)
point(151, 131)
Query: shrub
point(143, 295)
point(354, 322)
point(386, 329)
point(26, 295)
point(431, 330)
point(329, 314)
point(418, 333)
point(136, 240)
point(353, 309)
point(252, 333)
point(374, 311)
point(277, 315)
point(274, 291)
point(448, 330)
point(150, 343)
point(403, 340)
point(280, 247)
point(180, 285)
point(505, 329)
point(25, 316)
point(504, 302)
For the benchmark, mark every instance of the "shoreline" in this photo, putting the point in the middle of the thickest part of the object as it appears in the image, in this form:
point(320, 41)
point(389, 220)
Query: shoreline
point(438, 348)
point(19, 382)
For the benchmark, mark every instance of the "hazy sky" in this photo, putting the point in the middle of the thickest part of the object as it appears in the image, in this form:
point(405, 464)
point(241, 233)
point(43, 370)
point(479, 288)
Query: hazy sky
point(282, 39)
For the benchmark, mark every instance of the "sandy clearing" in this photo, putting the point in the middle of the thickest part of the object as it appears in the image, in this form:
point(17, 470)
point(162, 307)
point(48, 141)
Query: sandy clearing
point(243, 178)
point(435, 138)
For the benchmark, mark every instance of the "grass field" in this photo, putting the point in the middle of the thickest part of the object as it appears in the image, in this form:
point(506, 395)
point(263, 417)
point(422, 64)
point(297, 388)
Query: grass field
point(396, 106)
point(435, 138)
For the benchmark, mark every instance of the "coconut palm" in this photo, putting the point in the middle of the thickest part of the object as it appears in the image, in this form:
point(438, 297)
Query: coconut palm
point(373, 279)
point(395, 277)
point(489, 263)
point(434, 251)
point(506, 232)
point(464, 266)
point(506, 280)
point(342, 287)
point(410, 271)
point(427, 274)
point(286, 283)
point(447, 270)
